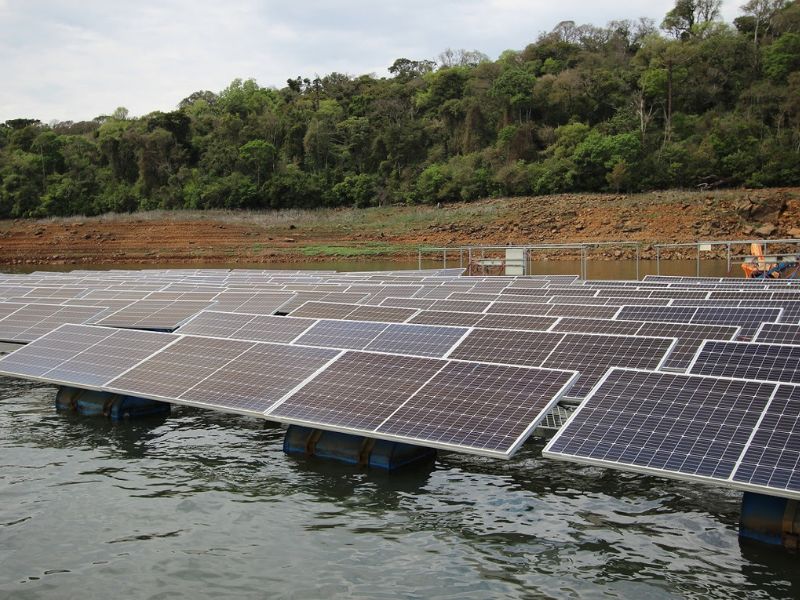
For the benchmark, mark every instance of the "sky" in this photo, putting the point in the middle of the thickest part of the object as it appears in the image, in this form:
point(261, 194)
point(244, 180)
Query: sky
point(77, 59)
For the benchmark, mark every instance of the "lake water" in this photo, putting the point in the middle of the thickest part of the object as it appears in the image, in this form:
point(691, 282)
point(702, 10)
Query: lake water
point(206, 505)
point(201, 505)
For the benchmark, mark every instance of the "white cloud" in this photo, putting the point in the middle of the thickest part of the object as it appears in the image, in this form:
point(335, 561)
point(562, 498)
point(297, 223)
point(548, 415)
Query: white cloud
point(68, 60)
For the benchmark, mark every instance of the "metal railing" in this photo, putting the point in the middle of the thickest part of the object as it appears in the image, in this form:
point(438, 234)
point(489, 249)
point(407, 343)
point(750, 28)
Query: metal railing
point(478, 254)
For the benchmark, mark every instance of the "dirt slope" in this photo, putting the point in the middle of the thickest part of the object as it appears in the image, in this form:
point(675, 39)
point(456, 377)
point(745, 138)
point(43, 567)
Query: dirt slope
point(194, 237)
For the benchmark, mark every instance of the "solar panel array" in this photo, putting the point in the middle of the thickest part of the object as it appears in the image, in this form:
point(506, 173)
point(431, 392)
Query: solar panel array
point(440, 359)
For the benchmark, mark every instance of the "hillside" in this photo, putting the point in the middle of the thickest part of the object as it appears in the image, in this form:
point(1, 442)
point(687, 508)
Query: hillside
point(196, 237)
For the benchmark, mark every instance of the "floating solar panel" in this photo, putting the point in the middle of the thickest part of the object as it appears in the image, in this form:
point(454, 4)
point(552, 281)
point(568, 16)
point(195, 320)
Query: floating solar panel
point(407, 302)
point(259, 328)
point(666, 424)
point(323, 310)
point(251, 382)
point(489, 408)
point(460, 306)
point(748, 318)
point(580, 310)
point(751, 360)
point(34, 320)
point(387, 314)
point(82, 355)
point(772, 457)
point(353, 335)
point(525, 322)
point(417, 340)
point(520, 308)
point(778, 333)
point(508, 347)
point(358, 391)
point(153, 314)
point(607, 326)
point(435, 317)
point(690, 337)
point(592, 355)
point(673, 314)
point(259, 303)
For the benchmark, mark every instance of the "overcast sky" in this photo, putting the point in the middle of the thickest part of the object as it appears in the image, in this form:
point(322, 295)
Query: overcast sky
point(76, 59)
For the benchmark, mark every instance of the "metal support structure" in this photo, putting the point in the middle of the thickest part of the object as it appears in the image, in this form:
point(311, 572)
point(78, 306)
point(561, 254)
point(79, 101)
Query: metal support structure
point(658, 260)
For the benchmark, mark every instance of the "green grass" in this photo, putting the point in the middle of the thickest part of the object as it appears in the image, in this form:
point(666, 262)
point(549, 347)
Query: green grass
point(370, 249)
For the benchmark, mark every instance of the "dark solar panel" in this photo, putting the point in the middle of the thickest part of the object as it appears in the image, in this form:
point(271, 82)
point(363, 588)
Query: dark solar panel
point(323, 310)
point(778, 333)
point(258, 378)
point(673, 314)
point(179, 367)
point(387, 314)
point(690, 338)
point(408, 302)
point(358, 391)
point(509, 347)
point(663, 423)
point(579, 310)
point(153, 314)
point(608, 326)
point(751, 360)
point(353, 335)
point(435, 317)
point(418, 340)
point(748, 318)
point(460, 306)
point(520, 308)
point(528, 322)
point(592, 355)
point(772, 458)
point(483, 407)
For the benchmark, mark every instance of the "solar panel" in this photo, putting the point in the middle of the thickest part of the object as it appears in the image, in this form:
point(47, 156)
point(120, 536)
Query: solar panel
point(529, 322)
point(690, 337)
point(778, 333)
point(153, 314)
point(83, 355)
point(592, 355)
point(505, 346)
point(483, 407)
point(263, 303)
point(353, 335)
point(579, 310)
point(460, 306)
point(673, 314)
point(752, 360)
point(323, 310)
point(608, 326)
point(358, 391)
point(260, 328)
point(773, 456)
point(418, 340)
point(436, 317)
point(381, 313)
point(34, 320)
point(520, 308)
point(665, 424)
point(256, 379)
point(748, 318)
point(408, 302)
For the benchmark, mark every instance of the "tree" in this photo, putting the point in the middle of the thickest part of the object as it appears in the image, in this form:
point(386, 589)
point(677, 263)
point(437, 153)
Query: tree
point(689, 16)
point(258, 155)
point(762, 13)
point(782, 57)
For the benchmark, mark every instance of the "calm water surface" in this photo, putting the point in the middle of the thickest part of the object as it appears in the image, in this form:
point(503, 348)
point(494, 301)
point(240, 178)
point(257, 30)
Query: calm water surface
point(201, 505)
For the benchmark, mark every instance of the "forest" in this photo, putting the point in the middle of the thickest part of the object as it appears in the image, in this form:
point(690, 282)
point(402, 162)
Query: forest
point(636, 105)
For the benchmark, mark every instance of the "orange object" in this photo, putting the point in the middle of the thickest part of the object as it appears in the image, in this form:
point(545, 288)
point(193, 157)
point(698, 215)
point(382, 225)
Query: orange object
point(758, 265)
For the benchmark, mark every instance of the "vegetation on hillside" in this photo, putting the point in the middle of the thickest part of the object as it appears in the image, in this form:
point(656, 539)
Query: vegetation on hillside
point(626, 107)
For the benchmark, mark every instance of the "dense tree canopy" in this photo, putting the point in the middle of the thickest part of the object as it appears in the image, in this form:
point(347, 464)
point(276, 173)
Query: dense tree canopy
point(626, 107)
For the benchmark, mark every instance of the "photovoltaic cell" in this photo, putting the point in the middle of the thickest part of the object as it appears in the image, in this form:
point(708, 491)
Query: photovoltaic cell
point(778, 333)
point(525, 322)
point(323, 310)
point(387, 314)
point(505, 346)
point(690, 337)
point(751, 360)
point(485, 407)
point(83, 355)
point(607, 326)
point(153, 314)
point(772, 458)
point(352, 335)
point(664, 423)
point(418, 340)
point(34, 320)
point(436, 317)
point(592, 355)
point(358, 391)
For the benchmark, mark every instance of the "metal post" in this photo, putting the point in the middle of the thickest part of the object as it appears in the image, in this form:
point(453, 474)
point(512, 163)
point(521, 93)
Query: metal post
point(658, 260)
point(461, 258)
point(637, 262)
point(419, 258)
point(698, 260)
point(728, 255)
point(444, 258)
point(469, 260)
